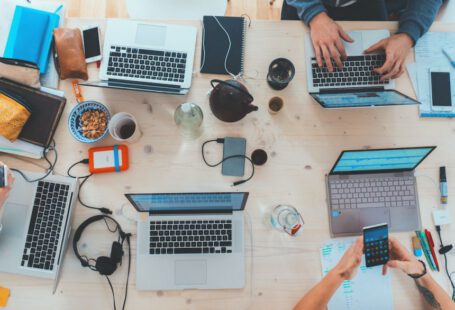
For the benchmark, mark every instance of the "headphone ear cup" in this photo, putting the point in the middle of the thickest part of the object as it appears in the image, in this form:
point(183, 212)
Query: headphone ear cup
point(105, 266)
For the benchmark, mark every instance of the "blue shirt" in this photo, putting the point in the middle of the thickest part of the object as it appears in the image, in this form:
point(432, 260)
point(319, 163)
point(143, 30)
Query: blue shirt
point(416, 16)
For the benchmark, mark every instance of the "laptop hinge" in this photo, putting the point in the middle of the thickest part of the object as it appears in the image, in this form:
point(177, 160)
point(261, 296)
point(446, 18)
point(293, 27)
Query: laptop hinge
point(121, 82)
point(198, 212)
point(350, 90)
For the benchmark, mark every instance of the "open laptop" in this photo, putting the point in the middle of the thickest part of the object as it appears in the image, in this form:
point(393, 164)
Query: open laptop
point(147, 57)
point(37, 225)
point(366, 187)
point(356, 85)
point(190, 240)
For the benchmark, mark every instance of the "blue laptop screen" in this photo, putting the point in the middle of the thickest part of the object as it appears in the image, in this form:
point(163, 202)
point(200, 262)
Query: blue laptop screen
point(377, 160)
point(191, 202)
point(362, 99)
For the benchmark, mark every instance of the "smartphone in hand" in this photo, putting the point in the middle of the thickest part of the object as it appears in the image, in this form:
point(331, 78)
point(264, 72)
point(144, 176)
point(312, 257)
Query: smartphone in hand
point(376, 244)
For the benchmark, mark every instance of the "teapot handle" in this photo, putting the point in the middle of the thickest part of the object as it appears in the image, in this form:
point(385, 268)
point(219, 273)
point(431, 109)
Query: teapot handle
point(233, 86)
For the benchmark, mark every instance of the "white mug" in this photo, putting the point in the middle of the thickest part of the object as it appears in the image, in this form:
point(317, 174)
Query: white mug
point(123, 127)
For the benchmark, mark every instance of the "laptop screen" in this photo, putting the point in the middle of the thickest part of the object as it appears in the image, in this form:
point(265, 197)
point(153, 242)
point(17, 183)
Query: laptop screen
point(380, 160)
point(364, 98)
point(188, 202)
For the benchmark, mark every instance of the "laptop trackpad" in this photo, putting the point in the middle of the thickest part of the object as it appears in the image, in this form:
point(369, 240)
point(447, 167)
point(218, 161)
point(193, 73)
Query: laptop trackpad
point(14, 220)
point(373, 216)
point(190, 272)
point(404, 219)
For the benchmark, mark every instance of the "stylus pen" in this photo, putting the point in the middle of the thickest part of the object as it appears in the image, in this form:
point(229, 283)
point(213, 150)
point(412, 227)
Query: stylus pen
point(443, 185)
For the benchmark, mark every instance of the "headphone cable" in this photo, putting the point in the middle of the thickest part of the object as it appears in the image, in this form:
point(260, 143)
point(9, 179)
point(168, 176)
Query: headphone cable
point(112, 291)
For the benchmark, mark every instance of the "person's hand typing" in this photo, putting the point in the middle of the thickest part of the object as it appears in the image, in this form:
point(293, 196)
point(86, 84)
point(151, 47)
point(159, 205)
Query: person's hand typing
point(396, 48)
point(4, 191)
point(402, 259)
point(326, 36)
point(349, 264)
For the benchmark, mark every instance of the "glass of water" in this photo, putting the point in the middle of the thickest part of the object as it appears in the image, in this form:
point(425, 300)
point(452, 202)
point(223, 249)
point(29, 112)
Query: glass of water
point(287, 218)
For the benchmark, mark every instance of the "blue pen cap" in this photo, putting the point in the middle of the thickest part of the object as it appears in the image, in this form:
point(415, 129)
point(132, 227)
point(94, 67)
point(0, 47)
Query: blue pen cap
point(418, 252)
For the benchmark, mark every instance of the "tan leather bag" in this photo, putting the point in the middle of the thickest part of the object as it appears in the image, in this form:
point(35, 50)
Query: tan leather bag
point(13, 115)
point(69, 54)
point(20, 71)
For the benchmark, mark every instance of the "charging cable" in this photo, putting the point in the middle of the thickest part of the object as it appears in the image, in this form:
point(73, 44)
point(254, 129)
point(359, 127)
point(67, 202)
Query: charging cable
point(84, 179)
point(443, 250)
point(49, 170)
point(221, 141)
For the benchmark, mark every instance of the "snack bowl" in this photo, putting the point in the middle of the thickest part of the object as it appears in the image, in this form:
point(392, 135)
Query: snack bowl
point(92, 112)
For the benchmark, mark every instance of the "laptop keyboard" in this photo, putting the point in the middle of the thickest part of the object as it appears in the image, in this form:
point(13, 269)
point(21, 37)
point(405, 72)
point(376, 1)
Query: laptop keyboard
point(146, 64)
point(190, 237)
point(372, 192)
point(45, 226)
point(357, 70)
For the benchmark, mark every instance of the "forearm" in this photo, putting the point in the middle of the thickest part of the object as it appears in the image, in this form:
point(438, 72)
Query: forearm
point(434, 295)
point(319, 295)
point(307, 9)
point(418, 17)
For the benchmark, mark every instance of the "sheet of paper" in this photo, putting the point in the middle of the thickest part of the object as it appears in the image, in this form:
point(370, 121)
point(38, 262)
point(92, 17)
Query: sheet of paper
point(429, 55)
point(356, 294)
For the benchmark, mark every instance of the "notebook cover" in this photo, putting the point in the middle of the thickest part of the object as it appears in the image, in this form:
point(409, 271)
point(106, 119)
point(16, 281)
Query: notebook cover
point(46, 112)
point(215, 45)
point(30, 36)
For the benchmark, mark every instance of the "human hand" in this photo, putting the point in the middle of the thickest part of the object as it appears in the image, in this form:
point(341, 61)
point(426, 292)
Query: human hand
point(402, 259)
point(348, 265)
point(4, 191)
point(326, 36)
point(396, 48)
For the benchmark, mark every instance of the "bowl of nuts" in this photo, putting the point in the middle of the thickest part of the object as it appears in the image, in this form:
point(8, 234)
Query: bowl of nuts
point(88, 121)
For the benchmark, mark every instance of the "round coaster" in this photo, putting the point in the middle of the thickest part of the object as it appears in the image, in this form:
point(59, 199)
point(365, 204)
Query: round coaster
point(259, 157)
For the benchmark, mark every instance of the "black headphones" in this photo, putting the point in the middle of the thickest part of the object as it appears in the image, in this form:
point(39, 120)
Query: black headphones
point(105, 265)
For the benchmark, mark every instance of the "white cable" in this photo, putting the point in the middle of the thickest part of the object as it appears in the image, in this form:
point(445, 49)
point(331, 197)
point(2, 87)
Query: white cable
point(228, 50)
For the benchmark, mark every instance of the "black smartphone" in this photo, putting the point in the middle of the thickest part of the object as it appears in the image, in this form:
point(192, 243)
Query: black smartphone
point(376, 244)
point(3, 176)
point(92, 45)
point(441, 95)
point(234, 166)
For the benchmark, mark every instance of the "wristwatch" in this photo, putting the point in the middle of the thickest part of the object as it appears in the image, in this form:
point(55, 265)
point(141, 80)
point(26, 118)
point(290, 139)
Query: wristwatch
point(417, 276)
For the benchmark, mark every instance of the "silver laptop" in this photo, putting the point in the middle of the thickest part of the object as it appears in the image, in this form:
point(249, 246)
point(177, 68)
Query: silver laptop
point(190, 240)
point(37, 225)
point(147, 57)
point(356, 85)
point(367, 187)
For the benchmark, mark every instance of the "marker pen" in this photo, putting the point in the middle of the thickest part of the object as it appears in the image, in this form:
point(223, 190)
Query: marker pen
point(443, 185)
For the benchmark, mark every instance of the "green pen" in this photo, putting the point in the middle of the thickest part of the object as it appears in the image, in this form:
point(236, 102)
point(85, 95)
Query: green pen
point(426, 249)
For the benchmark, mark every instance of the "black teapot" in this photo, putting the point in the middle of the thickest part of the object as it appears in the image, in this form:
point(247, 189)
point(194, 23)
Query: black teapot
point(230, 101)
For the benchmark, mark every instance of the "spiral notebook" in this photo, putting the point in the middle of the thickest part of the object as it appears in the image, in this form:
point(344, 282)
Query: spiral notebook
point(215, 44)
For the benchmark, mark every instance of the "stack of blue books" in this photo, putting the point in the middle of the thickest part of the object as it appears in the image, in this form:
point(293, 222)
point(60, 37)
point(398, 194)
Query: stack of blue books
point(30, 37)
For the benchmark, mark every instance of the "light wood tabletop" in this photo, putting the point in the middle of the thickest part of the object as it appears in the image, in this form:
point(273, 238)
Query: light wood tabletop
point(302, 141)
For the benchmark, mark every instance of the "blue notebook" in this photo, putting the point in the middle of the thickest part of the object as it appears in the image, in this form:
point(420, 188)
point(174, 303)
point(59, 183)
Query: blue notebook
point(30, 36)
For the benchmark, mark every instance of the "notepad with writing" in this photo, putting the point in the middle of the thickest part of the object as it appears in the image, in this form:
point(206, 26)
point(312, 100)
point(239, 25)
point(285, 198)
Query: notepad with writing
point(30, 36)
point(215, 45)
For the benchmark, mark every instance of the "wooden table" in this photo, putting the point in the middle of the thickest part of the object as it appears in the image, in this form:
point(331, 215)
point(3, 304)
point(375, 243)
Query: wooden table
point(303, 142)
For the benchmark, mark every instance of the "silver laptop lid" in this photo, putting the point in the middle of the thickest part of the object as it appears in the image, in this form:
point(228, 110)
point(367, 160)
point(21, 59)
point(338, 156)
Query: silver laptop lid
point(178, 203)
point(380, 160)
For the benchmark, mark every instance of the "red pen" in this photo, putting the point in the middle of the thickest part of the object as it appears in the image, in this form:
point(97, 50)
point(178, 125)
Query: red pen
point(431, 244)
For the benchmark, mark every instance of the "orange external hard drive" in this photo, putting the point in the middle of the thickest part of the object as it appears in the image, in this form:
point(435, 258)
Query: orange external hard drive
point(108, 159)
